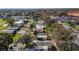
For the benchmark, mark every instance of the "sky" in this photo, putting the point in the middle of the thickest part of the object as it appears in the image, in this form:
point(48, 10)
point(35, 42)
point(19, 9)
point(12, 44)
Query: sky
point(39, 3)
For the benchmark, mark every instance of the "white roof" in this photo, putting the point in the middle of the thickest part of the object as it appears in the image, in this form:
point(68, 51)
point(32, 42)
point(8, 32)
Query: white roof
point(42, 47)
point(39, 26)
point(8, 31)
point(18, 22)
point(40, 21)
point(41, 35)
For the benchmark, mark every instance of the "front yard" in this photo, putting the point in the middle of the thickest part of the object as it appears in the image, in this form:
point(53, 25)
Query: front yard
point(76, 27)
point(16, 37)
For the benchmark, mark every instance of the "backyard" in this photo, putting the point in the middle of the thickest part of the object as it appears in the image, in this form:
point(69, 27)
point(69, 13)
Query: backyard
point(3, 24)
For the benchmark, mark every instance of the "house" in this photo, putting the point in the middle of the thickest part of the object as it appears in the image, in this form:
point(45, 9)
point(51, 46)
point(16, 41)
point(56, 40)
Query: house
point(17, 47)
point(25, 20)
point(28, 49)
point(53, 17)
point(13, 28)
point(18, 25)
point(40, 25)
point(15, 17)
point(42, 48)
point(12, 32)
point(42, 45)
point(39, 28)
point(40, 22)
point(41, 36)
point(21, 32)
point(73, 13)
point(19, 22)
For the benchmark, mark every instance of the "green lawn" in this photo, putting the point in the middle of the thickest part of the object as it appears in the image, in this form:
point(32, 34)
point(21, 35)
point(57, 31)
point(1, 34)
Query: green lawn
point(30, 21)
point(2, 27)
point(16, 37)
point(66, 23)
point(76, 27)
point(3, 22)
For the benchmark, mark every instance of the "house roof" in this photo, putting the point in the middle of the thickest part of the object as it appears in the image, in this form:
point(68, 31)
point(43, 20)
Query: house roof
point(41, 35)
point(40, 21)
point(13, 28)
point(42, 47)
point(42, 43)
point(8, 31)
point(73, 13)
point(19, 22)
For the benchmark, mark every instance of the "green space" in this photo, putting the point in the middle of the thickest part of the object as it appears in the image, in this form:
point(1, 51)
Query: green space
point(2, 23)
point(76, 27)
point(66, 23)
point(30, 21)
point(16, 37)
point(2, 27)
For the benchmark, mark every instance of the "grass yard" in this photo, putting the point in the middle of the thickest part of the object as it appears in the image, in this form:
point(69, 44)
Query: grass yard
point(66, 23)
point(76, 27)
point(2, 23)
point(31, 21)
point(16, 37)
point(2, 27)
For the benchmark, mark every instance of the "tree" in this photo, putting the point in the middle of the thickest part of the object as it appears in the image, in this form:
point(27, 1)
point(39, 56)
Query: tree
point(10, 21)
point(5, 40)
point(69, 46)
point(57, 31)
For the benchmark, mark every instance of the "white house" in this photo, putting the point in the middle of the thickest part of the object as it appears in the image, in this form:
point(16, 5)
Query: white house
point(41, 36)
point(40, 25)
point(42, 45)
point(19, 22)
